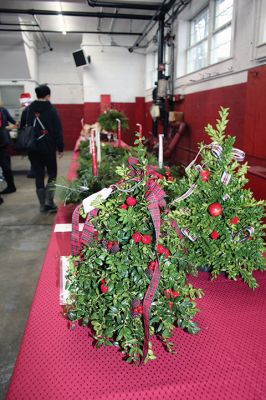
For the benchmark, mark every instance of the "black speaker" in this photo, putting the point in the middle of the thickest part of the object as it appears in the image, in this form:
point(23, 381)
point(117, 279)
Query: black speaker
point(80, 59)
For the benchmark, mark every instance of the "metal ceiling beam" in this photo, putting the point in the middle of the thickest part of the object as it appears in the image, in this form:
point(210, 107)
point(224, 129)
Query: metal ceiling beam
point(133, 6)
point(69, 32)
point(74, 13)
point(17, 24)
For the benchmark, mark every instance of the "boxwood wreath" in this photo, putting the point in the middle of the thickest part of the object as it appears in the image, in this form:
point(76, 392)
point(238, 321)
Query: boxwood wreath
point(108, 120)
point(108, 280)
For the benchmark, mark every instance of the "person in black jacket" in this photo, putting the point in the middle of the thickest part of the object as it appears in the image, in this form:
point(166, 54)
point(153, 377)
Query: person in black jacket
point(49, 134)
point(5, 161)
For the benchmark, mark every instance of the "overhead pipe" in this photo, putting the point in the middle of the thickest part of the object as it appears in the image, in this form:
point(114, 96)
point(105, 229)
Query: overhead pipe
point(160, 46)
point(42, 33)
point(133, 6)
point(164, 7)
point(68, 32)
point(17, 24)
point(180, 7)
point(75, 13)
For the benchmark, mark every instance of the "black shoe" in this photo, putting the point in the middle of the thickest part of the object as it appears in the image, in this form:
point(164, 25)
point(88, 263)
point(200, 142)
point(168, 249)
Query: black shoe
point(1, 200)
point(51, 209)
point(8, 189)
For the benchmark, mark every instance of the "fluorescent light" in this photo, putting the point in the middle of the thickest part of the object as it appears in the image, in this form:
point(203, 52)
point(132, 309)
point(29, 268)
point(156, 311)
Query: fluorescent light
point(61, 18)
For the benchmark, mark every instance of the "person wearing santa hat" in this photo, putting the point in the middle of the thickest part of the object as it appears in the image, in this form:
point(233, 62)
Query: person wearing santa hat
point(25, 99)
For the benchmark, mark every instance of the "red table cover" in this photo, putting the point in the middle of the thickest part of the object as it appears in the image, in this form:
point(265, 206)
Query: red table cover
point(225, 361)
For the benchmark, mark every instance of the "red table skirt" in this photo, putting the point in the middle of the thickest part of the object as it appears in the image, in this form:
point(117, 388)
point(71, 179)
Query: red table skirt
point(225, 361)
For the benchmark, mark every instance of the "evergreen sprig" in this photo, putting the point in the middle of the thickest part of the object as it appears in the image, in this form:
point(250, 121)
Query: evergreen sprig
point(237, 251)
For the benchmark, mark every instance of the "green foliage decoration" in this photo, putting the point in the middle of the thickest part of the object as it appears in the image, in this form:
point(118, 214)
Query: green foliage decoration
point(112, 157)
point(121, 265)
point(238, 250)
point(108, 122)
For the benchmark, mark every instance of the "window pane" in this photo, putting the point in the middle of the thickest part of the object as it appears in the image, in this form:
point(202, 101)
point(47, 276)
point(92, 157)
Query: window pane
point(262, 34)
point(223, 12)
point(197, 57)
point(167, 59)
point(221, 45)
point(199, 27)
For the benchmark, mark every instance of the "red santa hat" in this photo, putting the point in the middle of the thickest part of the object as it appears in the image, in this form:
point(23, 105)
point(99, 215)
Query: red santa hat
point(25, 98)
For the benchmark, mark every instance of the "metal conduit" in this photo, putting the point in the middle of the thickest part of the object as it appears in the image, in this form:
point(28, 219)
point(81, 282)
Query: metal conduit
point(133, 6)
point(75, 13)
point(80, 32)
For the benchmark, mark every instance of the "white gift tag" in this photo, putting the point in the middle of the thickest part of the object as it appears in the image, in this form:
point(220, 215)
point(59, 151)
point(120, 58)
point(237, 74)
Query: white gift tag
point(66, 227)
point(64, 293)
point(101, 195)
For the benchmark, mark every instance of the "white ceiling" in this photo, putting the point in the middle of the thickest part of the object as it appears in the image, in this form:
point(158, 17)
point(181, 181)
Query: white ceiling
point(71, 23)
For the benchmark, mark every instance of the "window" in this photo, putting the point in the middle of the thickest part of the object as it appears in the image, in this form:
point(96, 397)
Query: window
point(9, 96)
point(262, 24)
point(199, 31)
point(210, 35)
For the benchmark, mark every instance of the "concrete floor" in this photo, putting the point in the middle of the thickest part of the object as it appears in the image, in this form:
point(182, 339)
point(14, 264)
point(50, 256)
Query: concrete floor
point(24, 235)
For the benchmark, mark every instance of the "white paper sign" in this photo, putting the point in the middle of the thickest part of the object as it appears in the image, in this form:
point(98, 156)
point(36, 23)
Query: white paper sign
point(102, 195)
point(160, 155)
point(64, 293)
point(66, 227)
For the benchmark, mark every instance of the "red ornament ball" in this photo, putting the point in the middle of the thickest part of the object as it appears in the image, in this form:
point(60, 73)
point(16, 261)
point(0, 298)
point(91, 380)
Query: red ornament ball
point(167, 293)
point(136, 237)
point(160, 249)
point(104, 289)
point(123, 207)
point(146, 239)
point(131, 201)
point(140, 309)
point(204, 174)
point(175, 294)
point(151, 265)
point(234, 220)
point(215, 209)
point(166, 253)
point(109, 245)
point(214, 235)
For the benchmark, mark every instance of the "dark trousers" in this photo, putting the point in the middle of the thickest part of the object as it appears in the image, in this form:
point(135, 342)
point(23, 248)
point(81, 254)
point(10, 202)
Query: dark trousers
point(5, 164)
point(41, 162)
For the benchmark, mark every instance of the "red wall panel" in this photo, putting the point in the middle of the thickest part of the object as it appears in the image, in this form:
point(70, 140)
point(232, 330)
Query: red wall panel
point(70, 115)
point(255, 116)
point(135, 112)
point(91, 112)
point(105, 102)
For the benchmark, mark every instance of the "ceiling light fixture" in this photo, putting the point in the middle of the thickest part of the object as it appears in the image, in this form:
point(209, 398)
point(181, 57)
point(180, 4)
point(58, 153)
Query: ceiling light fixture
point(61, 18)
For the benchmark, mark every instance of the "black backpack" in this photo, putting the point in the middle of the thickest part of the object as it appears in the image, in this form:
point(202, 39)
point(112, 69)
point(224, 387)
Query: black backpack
point(31, 136)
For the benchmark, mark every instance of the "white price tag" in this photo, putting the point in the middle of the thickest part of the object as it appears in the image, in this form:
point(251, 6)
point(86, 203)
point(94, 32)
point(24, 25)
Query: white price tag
point(64, 293)
point(101, 195)
point(66, 227)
